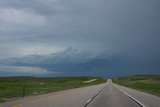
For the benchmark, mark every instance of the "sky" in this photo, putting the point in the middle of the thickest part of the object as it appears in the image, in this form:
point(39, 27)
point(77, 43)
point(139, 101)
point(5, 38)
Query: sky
point(107, 38)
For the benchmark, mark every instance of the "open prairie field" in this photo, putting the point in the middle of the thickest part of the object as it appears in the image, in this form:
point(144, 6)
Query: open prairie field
point(11, 87)
point(146, 83)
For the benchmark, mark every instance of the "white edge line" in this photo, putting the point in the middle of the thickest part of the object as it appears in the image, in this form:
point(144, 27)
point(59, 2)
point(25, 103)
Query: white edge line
point(88, 100)
point(131, 97)
point(92, 98)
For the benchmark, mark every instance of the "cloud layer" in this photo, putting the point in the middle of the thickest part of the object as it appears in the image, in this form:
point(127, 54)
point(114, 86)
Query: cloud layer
point(106, 35)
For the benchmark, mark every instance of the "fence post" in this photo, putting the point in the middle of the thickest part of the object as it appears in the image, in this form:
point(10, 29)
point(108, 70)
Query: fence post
point(23, 89)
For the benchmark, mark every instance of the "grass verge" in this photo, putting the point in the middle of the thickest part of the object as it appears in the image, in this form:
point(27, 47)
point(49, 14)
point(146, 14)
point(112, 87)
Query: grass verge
point(11, 87)
point(145, 83)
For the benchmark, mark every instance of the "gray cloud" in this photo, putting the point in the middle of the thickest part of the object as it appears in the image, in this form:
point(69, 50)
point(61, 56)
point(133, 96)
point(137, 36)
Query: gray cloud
point(23, 69)
point(127, 30)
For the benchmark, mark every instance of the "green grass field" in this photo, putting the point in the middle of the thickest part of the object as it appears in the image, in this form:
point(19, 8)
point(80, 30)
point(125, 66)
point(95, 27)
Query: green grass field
point(146, 83)
point(11, 87)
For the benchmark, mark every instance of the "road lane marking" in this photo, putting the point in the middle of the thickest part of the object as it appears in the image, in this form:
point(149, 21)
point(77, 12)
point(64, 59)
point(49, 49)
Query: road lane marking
point(89, 100)
point(92, 98)
point(138, 102)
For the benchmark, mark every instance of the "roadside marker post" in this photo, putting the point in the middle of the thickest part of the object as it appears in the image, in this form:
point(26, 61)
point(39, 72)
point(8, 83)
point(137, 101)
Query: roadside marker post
point(23, 90)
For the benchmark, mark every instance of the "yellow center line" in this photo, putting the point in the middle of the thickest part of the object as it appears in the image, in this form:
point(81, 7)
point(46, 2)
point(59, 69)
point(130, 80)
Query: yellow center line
point(30, 101)
point(16, 105)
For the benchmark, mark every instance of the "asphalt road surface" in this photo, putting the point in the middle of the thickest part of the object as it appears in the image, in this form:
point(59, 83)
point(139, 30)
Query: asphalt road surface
point(104, 95)
point(111, 96)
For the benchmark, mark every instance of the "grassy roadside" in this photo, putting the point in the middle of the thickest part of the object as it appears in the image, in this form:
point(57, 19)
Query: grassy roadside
point(11, 87)
point(145, 83)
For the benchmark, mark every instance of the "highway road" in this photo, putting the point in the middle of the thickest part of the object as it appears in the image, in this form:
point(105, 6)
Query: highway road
point(103, 95)
point(111, 96)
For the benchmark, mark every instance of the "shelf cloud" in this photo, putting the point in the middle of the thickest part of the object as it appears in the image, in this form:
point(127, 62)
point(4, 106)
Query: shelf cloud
point(98, 37)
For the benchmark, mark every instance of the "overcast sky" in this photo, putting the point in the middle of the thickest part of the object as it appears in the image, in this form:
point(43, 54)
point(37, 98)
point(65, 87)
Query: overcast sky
point(126, 32)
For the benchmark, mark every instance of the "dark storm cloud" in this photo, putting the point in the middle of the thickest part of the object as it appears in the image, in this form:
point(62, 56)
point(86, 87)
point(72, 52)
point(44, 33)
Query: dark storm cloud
point(126, 30)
